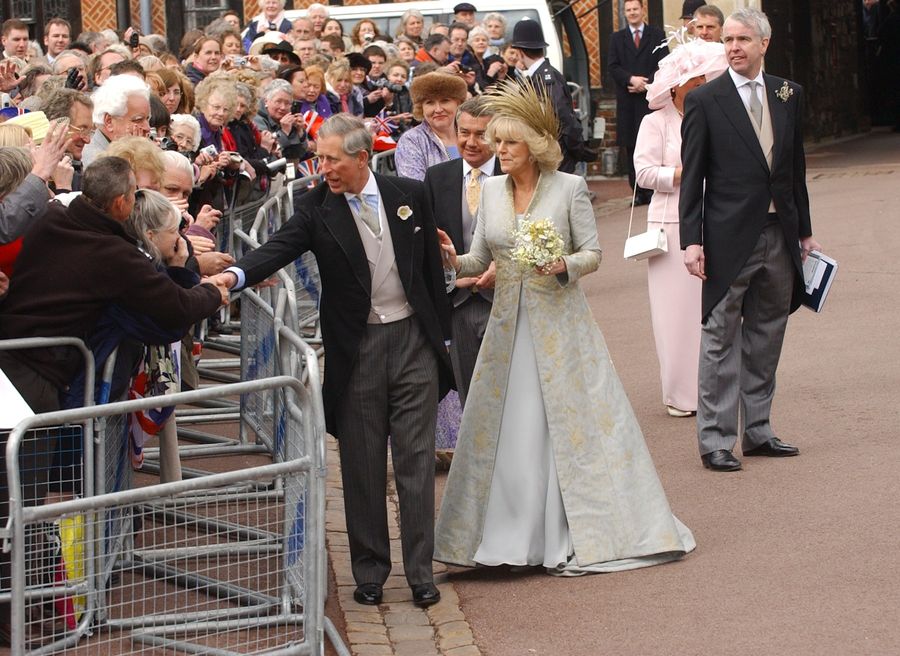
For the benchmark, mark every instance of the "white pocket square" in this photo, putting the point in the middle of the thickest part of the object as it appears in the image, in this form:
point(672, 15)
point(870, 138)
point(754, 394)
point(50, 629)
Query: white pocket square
point(416, 229)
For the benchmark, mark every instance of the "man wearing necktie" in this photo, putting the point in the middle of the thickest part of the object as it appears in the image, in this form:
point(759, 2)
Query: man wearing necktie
point(745, 228)
point(454, 190)
point(633, 61)
point(385, 318)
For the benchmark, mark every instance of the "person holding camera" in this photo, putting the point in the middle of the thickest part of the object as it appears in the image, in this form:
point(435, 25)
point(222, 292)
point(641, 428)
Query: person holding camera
point(270, 20)
point(216, 100)
point(377, 94)
point(277, 116)
point(363, 34)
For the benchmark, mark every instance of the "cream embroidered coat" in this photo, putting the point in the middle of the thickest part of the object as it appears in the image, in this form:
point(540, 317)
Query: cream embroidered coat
point(614, 503)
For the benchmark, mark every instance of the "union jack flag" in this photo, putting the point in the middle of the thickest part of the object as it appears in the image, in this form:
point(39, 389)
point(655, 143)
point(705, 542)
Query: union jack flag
point(381, 127)
point(382, 124)
point(308, 167)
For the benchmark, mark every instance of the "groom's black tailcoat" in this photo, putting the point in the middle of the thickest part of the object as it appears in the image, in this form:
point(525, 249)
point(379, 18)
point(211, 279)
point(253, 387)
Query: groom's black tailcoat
point(323, 224)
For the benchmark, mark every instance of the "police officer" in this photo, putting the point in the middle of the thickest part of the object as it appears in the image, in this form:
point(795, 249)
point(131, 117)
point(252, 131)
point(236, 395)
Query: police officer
point(528, 37)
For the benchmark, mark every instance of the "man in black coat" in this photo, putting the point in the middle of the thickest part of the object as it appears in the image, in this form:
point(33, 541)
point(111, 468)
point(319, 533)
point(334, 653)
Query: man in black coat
point(385, 318)
point(745, 228)
point(528, 37)
point(454, 191)
point(633, 61)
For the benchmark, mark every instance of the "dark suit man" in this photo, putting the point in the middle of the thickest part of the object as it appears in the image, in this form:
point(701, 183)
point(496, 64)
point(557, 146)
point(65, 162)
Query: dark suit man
point(384, 316)
point(454, 190)
point(528, 37)
point(633, 61)
point(745, 228)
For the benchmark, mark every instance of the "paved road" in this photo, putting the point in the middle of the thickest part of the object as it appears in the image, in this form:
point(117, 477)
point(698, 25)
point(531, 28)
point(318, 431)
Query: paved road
point(795, 556)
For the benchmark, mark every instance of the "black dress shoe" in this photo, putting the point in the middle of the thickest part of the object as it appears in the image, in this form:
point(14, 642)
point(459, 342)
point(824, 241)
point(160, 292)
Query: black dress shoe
point(425, 594)
point(720, 460)
point(773, 448)
point(368, 594)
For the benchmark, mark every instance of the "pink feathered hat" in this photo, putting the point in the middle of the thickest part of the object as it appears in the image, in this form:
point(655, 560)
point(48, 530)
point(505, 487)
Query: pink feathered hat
point(687, 61)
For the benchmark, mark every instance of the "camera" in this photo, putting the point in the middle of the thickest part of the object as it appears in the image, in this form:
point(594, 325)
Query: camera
point(235, 158)
point(135, 40)
point(384, 83)
point(296, 107)
point(153, 134)
point(368, 38)
point(210, 150)
point(240, 61)
point(168, 143)
point(73, 79)
point(275, 166)
point(464, 69)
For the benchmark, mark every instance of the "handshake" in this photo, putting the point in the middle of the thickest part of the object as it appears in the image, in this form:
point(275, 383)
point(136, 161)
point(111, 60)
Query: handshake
point(223, 282)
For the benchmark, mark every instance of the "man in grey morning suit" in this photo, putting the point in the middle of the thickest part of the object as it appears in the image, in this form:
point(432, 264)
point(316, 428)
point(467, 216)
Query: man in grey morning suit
point(385, 318)
point(454, 191)
point(745, 228)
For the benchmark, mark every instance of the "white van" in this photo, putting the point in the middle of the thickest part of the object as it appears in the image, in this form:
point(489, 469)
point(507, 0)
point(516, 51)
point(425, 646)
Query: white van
point(556, 18)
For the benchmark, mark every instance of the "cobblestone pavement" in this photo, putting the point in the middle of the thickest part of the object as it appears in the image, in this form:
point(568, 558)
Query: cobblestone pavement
point(396, 627)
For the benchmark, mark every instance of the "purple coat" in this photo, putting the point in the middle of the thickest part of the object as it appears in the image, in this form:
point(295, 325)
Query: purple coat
point(418, 149)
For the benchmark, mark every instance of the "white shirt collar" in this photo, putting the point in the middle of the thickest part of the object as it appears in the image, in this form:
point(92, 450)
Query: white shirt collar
point(635, 29)
point(533, 68)
point(739, 80)
point(370, 188)
point(487, 168)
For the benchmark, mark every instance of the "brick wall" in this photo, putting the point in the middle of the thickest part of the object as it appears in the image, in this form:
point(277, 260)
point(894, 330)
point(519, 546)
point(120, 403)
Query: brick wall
point(98, 15)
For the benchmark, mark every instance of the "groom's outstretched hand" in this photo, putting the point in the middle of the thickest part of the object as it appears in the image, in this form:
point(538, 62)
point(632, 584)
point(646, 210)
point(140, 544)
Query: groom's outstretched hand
point(448, 252)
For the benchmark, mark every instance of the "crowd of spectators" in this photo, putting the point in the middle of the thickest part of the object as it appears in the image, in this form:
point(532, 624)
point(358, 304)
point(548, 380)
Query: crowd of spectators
point(203, 128)
point(120, 156)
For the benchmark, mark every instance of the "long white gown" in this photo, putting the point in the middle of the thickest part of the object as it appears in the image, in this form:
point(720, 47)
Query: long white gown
point(525, 522)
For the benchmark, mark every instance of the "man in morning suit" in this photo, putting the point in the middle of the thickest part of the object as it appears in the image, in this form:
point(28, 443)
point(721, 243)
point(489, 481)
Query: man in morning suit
point(745, 228)
point(385, 316)
point(633, 61)
point(454, 191)
point(528, 37)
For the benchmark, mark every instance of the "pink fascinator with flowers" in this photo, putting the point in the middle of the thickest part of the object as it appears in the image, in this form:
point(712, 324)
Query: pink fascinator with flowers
point(691, 59)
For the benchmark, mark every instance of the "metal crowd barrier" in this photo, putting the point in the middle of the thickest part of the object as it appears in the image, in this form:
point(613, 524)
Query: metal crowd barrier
point(383, 162)
point(220, 564)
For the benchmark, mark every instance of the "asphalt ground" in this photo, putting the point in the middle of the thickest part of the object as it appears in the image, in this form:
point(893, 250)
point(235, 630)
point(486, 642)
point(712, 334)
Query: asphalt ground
point(795, 556)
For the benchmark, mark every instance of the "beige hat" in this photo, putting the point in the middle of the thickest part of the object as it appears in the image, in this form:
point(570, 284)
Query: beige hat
point(36, 122)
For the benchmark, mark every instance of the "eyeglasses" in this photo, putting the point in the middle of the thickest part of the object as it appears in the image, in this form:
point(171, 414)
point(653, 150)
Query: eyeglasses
point(84, 133)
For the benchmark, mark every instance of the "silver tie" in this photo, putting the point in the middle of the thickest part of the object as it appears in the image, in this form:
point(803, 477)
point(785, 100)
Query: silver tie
point(368, 216)
point(755, 105)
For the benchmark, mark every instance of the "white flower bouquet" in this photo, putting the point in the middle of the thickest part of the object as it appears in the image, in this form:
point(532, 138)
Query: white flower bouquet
point(537, 244)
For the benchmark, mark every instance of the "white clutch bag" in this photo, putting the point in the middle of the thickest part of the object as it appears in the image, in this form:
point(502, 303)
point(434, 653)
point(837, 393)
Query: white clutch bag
point(647, 244)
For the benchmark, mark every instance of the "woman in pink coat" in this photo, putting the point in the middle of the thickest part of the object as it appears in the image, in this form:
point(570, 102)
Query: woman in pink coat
point(674, 295)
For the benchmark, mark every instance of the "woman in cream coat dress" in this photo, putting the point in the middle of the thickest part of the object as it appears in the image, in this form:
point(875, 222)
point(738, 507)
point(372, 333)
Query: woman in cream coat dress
point(674, 294)
point(551, 467)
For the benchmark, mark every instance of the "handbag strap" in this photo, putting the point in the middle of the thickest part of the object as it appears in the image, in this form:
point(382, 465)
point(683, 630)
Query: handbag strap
point(631, 216)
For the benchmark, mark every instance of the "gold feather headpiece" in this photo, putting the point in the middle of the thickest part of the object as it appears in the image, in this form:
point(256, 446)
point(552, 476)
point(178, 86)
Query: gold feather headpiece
point(522, 101)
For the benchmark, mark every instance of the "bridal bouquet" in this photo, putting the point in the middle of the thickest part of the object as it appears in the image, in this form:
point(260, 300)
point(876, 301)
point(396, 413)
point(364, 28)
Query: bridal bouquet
point(537, 244)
